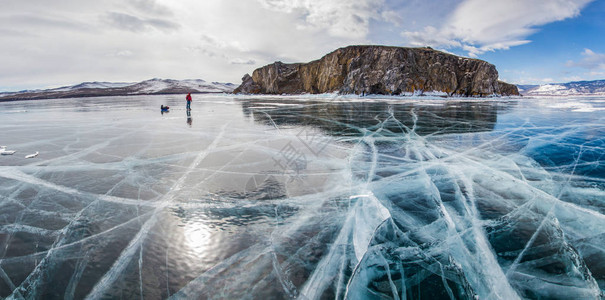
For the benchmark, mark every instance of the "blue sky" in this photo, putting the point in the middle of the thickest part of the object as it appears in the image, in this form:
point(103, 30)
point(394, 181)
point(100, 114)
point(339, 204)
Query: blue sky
point(66, 42)
point(547, 58)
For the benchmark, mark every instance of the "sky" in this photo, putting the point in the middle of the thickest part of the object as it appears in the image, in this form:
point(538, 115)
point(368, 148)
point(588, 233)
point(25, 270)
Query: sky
point(45, 44)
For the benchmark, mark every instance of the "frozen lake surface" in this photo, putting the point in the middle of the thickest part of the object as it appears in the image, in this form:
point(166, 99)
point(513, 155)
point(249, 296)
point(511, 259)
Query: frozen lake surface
point(310, 197)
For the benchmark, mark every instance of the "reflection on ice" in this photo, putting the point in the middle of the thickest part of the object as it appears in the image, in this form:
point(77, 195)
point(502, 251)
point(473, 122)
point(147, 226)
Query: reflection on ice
point(347, 118)
point(310, 199)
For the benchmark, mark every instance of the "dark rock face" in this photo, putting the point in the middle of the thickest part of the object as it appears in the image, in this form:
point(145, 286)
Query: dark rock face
point(249, 85)
point(380, 70)
point(507, 88)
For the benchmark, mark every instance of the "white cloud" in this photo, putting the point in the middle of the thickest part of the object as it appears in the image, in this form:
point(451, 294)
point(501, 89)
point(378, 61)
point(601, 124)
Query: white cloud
point(240, 61)
point(68, 41)
point(392, 17)
point(590, 60)
point(433, 37)
point(132, 23)
point(475, 51)
point(121, 53)
point(152, 7)
point(213, 41)
point(479, 26)
point(341, 18)
point(249, 34)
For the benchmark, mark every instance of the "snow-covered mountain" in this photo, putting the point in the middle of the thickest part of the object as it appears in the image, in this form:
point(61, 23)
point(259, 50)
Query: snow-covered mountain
point(147, 87)
point(169, 86)
point(595, 87)
point(93, 85)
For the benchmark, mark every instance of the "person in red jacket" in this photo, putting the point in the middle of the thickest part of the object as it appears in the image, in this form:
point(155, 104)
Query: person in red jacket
point(188, 101)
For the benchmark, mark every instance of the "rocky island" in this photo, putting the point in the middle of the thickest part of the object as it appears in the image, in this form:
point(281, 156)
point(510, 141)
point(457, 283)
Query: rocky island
point(380, 70)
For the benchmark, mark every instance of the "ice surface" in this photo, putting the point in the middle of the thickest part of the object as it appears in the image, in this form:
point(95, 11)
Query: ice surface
point(309, 197)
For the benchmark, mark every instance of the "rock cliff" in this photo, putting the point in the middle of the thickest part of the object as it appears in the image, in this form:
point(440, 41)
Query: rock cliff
point(380, 70)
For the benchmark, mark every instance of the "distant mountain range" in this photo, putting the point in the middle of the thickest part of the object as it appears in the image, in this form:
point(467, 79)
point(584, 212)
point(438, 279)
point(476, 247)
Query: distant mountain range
point(148, 87)
point(595, 87)
point(168, 86)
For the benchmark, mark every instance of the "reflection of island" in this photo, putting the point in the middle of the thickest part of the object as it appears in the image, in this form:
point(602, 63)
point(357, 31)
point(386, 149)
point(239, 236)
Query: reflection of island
point(350, 118)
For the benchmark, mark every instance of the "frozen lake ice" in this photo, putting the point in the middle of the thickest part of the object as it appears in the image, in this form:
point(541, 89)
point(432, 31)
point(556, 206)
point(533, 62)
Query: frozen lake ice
point(310, 197)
